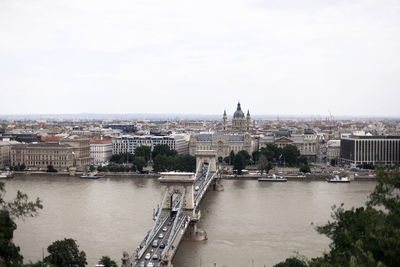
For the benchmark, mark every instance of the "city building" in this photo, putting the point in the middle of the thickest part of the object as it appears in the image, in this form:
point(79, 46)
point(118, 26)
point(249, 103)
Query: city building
point(306, 143)
point(222, 143)
point(100, 151)
point(81, 151)
point(377, 150)
point(333, 150)
point(5, 153)
point(41, 155)
point(128, 143)
point(240, 123)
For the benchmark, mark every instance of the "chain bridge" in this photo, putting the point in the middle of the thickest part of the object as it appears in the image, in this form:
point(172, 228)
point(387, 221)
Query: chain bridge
point(177, 215)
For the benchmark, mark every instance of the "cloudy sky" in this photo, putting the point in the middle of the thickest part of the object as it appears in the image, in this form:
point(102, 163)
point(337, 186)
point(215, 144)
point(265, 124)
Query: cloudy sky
point(166, 56)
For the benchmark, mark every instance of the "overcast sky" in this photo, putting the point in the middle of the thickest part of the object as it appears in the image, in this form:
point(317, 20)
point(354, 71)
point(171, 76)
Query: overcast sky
point(145, 56)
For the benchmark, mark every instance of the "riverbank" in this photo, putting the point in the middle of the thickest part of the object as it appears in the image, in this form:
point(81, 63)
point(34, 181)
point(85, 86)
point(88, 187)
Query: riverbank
point(77, 174)
point(310, 177)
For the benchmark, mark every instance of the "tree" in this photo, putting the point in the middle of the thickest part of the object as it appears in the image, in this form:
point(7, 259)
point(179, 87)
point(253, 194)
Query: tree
point(144, 152)
point(122, 158)
point(276, 151)
point(333, 162)
point(255, 156)
point(292, 262)
point(139, 163)
point(290, 154)
point(246, 157)
point(302, 160)
point(239, 163)
point(160, 163)
point(50, 168)
point(38, 264)
point(366, 236)
point(262, 163)
point(305, 169)
point(66, 253)
point(163, 150)
point(20, 207)
point(107, 262)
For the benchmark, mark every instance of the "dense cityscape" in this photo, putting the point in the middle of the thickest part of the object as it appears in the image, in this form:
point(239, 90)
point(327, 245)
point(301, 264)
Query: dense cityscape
point(76, 145)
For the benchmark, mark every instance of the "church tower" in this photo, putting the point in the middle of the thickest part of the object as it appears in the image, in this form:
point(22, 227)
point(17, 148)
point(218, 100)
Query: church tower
point(248, 121)
point(224, 122)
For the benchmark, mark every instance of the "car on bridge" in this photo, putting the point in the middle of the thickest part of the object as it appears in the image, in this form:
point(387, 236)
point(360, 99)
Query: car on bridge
point(197, 188)
point(142, 264)
point(161, 236)
point(162, 245)
point(155, 243)
point(148, 256)
point(165, 229)
point(150, 264)
point(155, 257)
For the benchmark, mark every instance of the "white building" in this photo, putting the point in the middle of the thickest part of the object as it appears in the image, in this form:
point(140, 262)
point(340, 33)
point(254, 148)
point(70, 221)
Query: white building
point(100, 151)
point(333, 149)
point(128, 143)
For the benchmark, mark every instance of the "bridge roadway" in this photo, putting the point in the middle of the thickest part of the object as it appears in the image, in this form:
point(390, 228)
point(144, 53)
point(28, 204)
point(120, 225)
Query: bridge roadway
point(151, 251)
point(172, 226)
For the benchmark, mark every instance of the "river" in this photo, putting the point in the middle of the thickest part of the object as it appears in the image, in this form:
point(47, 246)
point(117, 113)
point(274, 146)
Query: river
point(248, 224)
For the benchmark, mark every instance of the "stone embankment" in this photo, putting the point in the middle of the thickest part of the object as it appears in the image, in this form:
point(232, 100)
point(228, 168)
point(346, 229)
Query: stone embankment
point(309, 177)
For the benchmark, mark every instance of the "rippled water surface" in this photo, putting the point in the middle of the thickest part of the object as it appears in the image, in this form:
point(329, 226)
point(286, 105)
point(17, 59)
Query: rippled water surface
point(249, 223)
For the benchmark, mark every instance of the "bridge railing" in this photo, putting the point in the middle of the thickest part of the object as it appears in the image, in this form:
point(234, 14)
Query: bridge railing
point(206, 183)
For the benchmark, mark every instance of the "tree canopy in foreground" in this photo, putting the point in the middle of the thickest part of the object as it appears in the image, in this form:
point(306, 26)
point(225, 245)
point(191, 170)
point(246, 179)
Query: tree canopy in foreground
point(363, 236)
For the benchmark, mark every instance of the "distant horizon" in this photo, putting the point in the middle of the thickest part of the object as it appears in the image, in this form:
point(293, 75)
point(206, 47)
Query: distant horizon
point(187, 116)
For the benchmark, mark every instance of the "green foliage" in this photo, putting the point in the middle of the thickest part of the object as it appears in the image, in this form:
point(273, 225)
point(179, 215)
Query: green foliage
point(92, 168)
point(239, 162)
point(246, 157)
point(143, 152)
point(367, 166)
point(38, 264)
point(9, 252)
point(139, 163)
point(366, 236)
point(66, 253)
point(107, 262)
point(163, 150)
point(229, 159)
point(305, 168)
point(333, 162)
point(19, 167)
point(20, 207)
point(290, 154)
point(122, 158)
point(302, 160)
point(185, 163)
point(292, 262)
point(50, 168)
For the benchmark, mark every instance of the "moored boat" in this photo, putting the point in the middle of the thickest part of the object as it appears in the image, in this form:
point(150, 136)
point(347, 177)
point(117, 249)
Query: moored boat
point(272, 179)
point(338, 179)
point(6, 174)
point(91, 175)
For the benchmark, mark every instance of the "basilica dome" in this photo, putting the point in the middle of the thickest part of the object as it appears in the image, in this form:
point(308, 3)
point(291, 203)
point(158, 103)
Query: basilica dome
point(238, 113)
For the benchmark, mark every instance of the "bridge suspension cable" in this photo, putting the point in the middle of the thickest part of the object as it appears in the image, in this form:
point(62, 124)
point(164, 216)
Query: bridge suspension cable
point(157, 218)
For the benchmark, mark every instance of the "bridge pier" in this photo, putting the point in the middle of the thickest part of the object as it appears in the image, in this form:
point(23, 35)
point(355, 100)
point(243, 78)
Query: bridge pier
point(216, 185)
point(193, 233)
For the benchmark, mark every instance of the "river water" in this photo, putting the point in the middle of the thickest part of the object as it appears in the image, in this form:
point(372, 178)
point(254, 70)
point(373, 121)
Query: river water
point(248, 224)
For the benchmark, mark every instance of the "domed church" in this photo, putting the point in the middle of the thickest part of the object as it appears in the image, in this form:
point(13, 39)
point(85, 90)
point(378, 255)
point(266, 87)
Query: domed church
point(240, 123)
